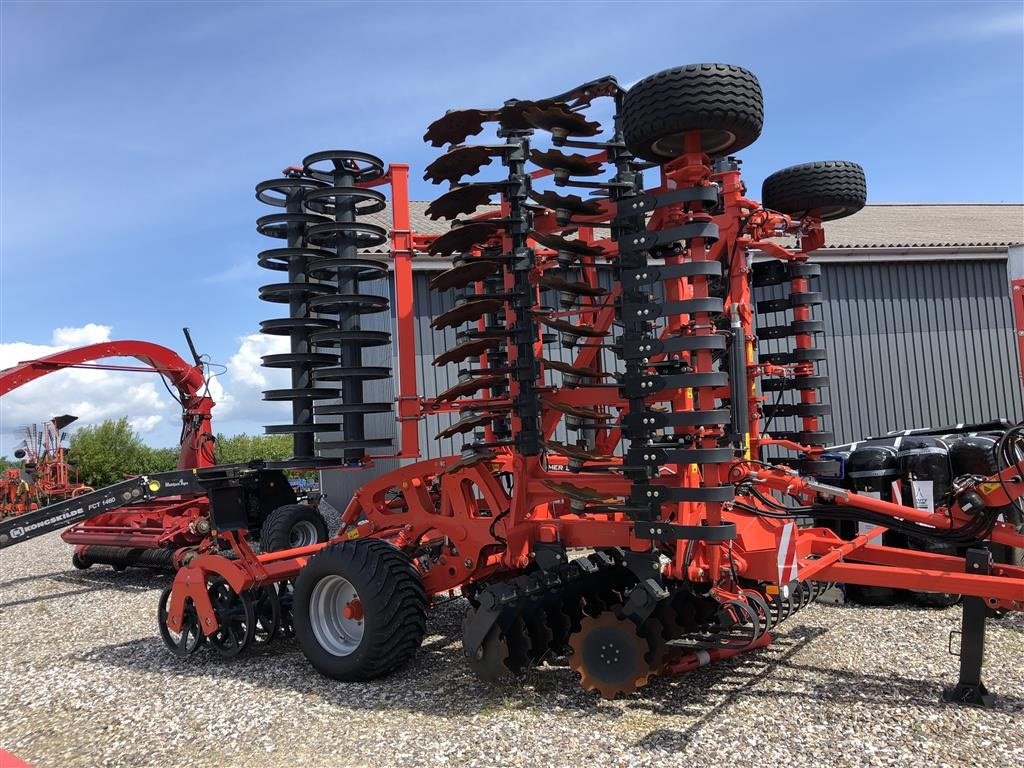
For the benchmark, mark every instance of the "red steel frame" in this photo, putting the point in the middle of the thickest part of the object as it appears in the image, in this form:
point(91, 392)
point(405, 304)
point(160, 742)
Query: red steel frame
point(469, 509)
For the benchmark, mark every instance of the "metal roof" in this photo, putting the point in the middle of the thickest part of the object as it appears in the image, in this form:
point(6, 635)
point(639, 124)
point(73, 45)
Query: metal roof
point(879, 225)
point(928, 225)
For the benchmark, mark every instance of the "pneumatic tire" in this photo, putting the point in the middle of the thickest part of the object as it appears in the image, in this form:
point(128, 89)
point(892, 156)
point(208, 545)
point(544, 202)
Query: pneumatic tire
point(292, 526)
point(359, 610)
point(721, 101)
point(829, 190)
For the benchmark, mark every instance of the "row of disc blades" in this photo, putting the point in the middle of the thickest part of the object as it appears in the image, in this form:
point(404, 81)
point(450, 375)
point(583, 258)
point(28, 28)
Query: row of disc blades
point(574, 614)
point(479, 267)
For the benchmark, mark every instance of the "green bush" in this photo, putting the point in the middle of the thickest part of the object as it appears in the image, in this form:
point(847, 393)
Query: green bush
point(107, 453)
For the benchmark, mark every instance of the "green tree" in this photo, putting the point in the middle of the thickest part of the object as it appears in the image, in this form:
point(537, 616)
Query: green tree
point(107, 453)
point(243, 448)
point(161, 460)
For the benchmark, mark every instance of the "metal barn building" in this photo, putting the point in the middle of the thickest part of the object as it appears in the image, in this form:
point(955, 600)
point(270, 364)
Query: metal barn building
point(918, 318)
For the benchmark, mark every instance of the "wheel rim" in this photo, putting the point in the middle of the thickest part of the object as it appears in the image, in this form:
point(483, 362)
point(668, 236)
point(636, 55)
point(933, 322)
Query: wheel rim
point(712, 141)
point(302, 534)
point(187, 641)
point(336, 634)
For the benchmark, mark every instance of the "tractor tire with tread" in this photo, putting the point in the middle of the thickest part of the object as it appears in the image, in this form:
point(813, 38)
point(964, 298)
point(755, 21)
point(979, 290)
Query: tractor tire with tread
point(291, 526)
point(721, 101)
point(392, 604)
point(832, 189)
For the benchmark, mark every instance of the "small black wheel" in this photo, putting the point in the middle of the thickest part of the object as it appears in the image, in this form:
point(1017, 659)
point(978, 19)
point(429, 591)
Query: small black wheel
point(292, 526)
point(285, 595)
point(236, 619)
point(858, 593)
point(724, 103)
point(829, 190)
point(80, 562)
point(359, 610)
point(267, 614)
point(190, 638)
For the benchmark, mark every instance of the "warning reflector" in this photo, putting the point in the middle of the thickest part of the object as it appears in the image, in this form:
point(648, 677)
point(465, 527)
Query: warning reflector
point(787, 554)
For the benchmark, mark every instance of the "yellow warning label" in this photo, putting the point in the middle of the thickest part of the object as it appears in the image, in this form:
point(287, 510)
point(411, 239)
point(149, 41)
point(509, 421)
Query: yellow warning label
point(987, 488)
point(154, 485)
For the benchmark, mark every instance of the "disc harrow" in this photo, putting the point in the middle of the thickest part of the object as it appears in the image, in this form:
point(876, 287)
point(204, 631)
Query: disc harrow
point(626, 500)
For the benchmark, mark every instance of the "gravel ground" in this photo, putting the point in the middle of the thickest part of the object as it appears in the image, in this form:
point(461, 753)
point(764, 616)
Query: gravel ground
point(87, 682)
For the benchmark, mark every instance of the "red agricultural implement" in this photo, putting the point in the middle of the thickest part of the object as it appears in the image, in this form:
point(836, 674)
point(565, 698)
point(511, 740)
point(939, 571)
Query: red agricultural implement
point(161, 520)
point(45, 475)
point(622, 502)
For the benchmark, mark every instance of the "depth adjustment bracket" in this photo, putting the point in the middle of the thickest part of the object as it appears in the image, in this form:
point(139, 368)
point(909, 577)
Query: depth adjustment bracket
point(969, 689)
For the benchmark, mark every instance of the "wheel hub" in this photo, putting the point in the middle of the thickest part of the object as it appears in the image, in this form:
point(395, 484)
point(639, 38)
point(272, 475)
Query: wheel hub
point(332, 616)
point(610, 655)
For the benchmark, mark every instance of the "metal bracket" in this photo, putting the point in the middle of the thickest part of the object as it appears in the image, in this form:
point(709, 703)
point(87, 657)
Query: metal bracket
point(969, 688)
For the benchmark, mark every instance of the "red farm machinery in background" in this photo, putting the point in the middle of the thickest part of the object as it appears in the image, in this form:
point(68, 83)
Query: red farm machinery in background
point(160, 521)
point(644, 418)
point(45, 475)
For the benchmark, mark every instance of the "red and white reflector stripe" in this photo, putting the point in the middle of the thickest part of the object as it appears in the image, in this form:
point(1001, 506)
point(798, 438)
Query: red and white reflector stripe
point(787, 556)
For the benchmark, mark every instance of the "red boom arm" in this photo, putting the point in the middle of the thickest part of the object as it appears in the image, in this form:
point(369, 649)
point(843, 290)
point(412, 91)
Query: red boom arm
point(197, 437)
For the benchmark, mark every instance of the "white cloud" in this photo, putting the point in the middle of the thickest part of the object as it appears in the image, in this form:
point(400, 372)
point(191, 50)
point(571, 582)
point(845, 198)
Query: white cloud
point(240, 402)
point(96, 395)
point(90, 333)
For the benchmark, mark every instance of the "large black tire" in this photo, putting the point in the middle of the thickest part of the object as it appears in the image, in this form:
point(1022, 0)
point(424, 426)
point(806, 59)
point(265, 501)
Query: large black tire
point(392, 602)
point(721, 101)
point(830, 189)
point(291, 526)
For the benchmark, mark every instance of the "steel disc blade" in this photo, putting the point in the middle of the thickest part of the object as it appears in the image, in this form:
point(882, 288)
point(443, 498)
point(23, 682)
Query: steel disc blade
point(556, 283)
point(463, 200)
point(463, 239)
point(565, 245)
point(459, 162)
point(610, 655)
point(570, 329)
point(465, 424)
point(472, 271)
point(467, 349)
point(571, 204)
point(471, 387)
point(561, 121)
point(574, 164)
point(463, 313)
point(456, 126)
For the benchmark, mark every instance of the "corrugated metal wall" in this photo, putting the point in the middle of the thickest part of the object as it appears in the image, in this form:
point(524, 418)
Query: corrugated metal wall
point(918, 344)
point(910, 344)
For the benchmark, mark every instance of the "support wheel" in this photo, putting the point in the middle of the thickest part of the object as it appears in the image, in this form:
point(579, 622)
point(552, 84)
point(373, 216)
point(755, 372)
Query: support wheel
point(285, 593)
point(292, 526)
point(722, 102)
point(80, 562)
point(236, 619)
point(359, 610)
point(829, 190)
point(267, 614)
point(190, 638)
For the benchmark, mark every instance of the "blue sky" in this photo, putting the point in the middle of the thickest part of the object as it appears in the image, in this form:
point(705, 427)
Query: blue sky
point(133, 134)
